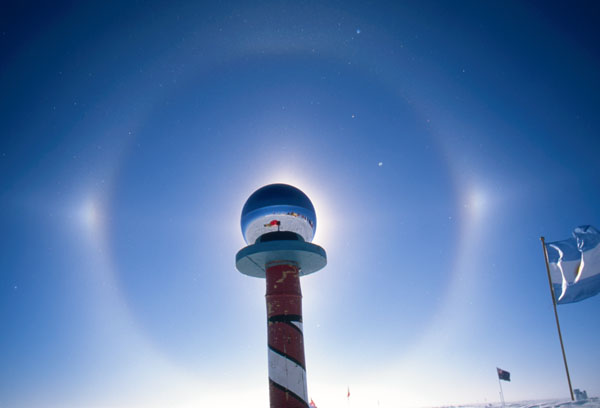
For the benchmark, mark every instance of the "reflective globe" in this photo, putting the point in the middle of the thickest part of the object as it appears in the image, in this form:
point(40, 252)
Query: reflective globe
point(278, 207)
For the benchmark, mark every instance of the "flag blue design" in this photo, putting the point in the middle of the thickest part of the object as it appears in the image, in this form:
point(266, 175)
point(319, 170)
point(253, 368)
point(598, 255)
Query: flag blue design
point(503, 374)
point(575, 265)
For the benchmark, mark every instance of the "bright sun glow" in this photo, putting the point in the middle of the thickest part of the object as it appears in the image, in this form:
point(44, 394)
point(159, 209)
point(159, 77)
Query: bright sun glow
point(89, 216)
point(476, 202)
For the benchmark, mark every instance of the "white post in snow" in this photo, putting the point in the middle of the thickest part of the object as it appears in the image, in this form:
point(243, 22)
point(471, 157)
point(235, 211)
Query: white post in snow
point(501, 393)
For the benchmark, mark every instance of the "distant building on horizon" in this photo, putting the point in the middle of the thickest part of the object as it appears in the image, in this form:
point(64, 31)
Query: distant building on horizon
point(580, 395)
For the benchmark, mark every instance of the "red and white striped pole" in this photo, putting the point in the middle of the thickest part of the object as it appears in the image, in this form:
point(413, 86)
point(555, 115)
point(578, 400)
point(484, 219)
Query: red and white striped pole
point(281, 256)
point(287, 366)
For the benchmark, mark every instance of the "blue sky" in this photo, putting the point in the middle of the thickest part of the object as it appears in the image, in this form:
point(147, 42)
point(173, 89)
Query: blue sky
point(437, 142)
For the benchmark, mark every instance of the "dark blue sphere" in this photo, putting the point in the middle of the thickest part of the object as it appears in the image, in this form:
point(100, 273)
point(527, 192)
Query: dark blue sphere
point(278, 207)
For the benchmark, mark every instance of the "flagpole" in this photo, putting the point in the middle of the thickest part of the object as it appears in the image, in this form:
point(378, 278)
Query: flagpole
point(501, 393)
point(348, 397)
point(562, 347)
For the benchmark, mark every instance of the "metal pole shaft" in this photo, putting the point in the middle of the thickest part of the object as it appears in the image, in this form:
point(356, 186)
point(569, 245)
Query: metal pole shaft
point(287, 366)
point(562, 347)
point(501, 392)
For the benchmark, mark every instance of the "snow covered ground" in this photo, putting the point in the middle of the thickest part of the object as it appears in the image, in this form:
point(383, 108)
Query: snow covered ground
point(589, 403)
